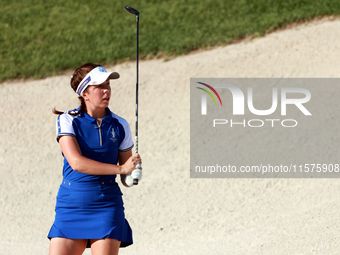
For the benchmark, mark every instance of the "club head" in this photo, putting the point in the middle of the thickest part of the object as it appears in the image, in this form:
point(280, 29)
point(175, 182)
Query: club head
point(131, 10)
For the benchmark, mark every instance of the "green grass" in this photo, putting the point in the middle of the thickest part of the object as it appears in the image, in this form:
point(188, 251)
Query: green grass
point(45, 37)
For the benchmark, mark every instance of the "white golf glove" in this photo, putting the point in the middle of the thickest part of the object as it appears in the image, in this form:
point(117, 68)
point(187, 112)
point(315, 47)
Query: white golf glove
point(135, 174)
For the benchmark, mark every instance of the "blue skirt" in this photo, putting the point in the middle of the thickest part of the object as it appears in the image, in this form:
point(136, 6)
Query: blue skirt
point(91, 210)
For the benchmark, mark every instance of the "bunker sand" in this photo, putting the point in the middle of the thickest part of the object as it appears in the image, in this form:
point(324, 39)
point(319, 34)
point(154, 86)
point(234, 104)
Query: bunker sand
point(169, 212)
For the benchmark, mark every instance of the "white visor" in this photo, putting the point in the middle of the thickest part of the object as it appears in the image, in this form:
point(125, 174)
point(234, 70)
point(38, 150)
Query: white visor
point(97, 76)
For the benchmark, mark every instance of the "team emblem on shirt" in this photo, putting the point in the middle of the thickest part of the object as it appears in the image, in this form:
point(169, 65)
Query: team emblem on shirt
point(113, 135)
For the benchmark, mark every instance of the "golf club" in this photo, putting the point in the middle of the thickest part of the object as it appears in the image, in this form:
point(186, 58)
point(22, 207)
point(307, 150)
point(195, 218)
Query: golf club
point(136, 13)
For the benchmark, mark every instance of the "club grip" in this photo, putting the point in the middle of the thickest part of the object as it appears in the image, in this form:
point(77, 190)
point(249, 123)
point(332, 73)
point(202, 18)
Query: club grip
point(135, 181)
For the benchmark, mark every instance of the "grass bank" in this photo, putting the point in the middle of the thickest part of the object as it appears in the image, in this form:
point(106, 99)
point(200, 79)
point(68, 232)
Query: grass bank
point(40, 38)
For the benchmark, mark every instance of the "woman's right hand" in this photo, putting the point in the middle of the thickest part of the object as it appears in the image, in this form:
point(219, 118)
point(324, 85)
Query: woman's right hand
point(131, 164)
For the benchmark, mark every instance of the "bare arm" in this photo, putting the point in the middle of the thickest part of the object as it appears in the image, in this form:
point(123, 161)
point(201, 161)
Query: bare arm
point(123, 156)
point(78, 162)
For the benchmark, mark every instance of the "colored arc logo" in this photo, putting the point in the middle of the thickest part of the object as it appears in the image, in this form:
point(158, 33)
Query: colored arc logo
point(210, 93)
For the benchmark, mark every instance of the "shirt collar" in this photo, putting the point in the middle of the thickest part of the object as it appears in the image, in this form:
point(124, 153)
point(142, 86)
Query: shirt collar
point(107, 118)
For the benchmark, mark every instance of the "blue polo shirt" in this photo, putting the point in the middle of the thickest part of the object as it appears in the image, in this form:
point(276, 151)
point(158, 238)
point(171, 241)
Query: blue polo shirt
point(100, 142)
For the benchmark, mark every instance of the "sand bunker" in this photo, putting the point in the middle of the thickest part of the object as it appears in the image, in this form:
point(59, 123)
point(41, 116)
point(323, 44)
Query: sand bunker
point(169, 212)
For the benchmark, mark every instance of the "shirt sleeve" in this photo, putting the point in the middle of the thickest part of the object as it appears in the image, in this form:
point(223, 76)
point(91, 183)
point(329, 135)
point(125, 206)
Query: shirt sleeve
point(127, 143)
point(64, 126)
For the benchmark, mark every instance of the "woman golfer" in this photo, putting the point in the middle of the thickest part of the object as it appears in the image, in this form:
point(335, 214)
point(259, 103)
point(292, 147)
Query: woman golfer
point(96, 145)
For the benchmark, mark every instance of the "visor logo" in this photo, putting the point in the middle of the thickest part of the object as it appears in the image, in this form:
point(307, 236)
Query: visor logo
point(102, 69)
point(83, 85)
